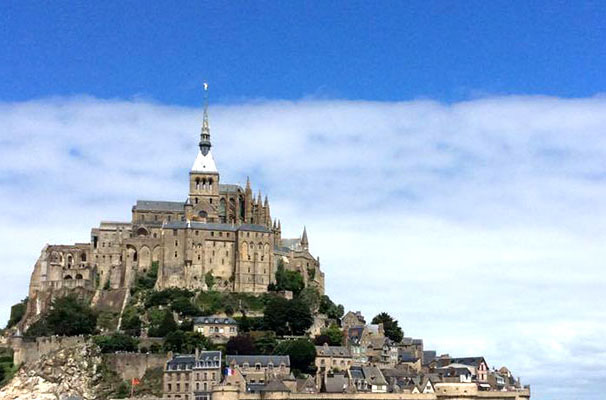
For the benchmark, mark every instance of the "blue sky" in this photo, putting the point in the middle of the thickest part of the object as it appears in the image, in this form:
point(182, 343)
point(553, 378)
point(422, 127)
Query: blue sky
point(446, 50)
point(455, 149)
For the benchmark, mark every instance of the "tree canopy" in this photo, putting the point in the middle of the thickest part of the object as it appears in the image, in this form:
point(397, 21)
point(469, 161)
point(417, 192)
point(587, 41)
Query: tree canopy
point(331, 335)
point(287, 317)
point(302, 354)
point(68, 316)
point(186, 342)
point(287, 280)
point(390, 325)
point(241, 345)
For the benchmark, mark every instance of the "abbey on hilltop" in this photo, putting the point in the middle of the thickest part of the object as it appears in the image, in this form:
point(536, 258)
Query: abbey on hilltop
point(220, 233)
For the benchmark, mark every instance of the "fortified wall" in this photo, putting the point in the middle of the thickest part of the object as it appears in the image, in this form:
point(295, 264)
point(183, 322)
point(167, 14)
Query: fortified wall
point(444, 391)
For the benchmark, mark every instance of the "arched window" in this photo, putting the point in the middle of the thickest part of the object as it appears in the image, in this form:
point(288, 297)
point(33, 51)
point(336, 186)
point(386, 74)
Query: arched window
point(83, 257)
point(197, 184)
point(78, 276)
point(67, 277)
point(70, 260)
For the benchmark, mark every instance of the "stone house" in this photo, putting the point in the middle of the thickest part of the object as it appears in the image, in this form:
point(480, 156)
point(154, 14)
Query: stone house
point(218, 329)
point(368, 379)
point(333, 358)
point(259, 369)
point(192, 376)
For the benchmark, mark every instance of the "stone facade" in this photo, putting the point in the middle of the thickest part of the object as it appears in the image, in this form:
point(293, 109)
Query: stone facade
point(219, 230)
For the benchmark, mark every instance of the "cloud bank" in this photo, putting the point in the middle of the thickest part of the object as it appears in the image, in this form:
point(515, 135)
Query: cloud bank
point(480, 225)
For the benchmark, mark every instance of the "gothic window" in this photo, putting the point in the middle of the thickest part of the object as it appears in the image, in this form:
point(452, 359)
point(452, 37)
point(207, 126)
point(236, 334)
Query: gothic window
point(67, 277)
point(78, 276)
point(197, 184)
point(83, 257)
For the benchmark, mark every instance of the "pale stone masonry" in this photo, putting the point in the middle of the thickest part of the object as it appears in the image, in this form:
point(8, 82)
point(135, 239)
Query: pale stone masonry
point(219, 230)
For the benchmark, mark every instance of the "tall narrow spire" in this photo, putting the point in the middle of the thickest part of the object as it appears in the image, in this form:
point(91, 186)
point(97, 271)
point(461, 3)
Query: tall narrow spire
point(205, 134)
point(304, 240)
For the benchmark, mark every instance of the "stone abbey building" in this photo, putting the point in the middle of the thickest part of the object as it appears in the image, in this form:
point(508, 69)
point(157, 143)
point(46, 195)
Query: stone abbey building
point(219, 229)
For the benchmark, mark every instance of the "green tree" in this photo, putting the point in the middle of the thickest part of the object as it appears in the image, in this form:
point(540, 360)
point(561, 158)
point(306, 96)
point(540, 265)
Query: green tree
point(275, 316)
point(167, 325)
point(184, 306)
point(116, 342)
point(186, 342)
point(332, 335)
point(311, 297)
point(287, 317)
point(68, 316)
point(17, 313)
point(299, 317)
point(209, 279)
point(331, 309)
point(131, 324)
point(390, 326)
point(302, 354)
point(241, 345)
point(288, 280)
point(265, 342)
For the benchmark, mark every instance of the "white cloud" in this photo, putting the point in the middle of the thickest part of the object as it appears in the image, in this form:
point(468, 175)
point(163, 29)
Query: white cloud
point(479, 225)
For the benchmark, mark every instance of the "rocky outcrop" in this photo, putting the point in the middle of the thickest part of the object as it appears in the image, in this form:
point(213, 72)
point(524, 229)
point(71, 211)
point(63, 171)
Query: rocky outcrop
point(76, 372)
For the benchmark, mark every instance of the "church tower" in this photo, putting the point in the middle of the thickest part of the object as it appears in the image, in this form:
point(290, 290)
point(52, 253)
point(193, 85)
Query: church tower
point(204, 177)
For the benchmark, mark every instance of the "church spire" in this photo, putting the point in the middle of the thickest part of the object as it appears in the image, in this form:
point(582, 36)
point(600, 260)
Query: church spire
point(304, 241)
point(205, 134)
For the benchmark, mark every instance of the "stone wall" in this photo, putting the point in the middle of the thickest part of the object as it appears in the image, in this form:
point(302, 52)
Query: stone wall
point(134, 365)
point(27, 351)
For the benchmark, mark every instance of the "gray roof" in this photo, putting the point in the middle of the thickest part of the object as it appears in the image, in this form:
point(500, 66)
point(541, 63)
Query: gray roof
point(429, 356)
point(188, 361)
point(149, 205)
point(334, 351)
point(473, 361)
point(229, 188)
point(213, 319)
point(258, 359)
point(374, 376)
point(336, 384)
point(275, 386)
point(215, 227)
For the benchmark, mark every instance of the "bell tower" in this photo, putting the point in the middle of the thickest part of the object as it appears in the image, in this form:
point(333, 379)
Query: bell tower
point(204, 176)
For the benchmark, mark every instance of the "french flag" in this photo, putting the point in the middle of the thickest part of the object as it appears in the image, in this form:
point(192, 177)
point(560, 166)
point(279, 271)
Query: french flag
point(229, 371)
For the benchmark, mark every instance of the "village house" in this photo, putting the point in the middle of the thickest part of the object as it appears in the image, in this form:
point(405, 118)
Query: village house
point(333, 358)
point(218, 329)
point(192, 376)
point(259, 369)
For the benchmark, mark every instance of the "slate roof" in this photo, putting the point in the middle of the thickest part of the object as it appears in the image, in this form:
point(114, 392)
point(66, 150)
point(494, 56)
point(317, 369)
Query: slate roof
point(374, 376)
point(229, 188)
point(188, 361)
point(473, 361)
point(213, 319)
point(429, 356)
point(334, 351)
point(149, 205)
point(260, 359)
point(336, 384)
point(275, 386)
point(407, 356)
